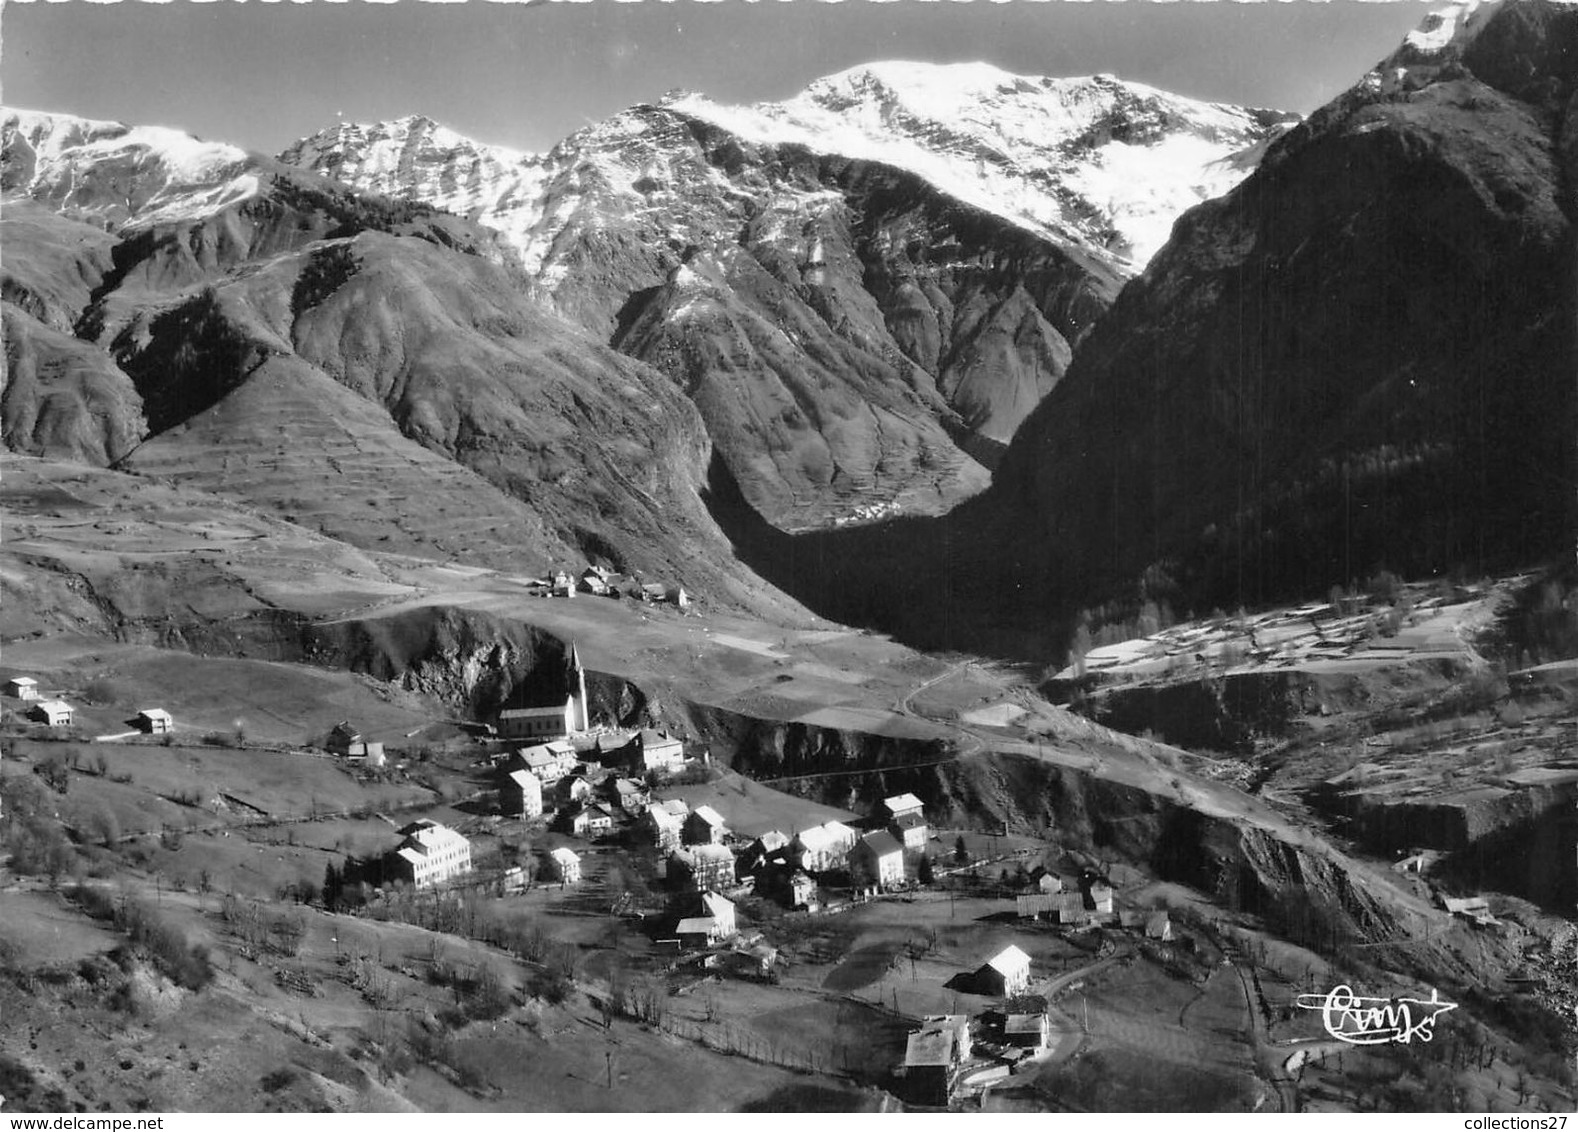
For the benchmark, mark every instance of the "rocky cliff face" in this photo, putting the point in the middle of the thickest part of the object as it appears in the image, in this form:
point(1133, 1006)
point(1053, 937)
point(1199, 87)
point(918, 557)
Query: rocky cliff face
point(1362, 355)
point(865, 289)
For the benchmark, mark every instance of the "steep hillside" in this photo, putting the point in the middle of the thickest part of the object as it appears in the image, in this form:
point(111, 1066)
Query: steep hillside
point(1362, 356)
point(300, 335)
point(863, 314)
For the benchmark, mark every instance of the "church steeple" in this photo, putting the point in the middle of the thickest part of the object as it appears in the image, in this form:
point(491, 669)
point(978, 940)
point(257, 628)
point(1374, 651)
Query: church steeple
point(580, 714)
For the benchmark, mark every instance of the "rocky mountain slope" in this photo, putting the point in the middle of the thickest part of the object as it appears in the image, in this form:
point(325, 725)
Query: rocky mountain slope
point(866, 288)
point(377, 368)
point(1361, 356)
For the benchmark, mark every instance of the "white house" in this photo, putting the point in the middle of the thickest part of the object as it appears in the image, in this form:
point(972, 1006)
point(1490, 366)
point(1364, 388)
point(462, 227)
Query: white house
point(878, 858)
point(430, 854)
point(548, 761)
point(155, 721)
point(701, 867)
point(22, 688)
point(1005, 974)
point(902, 804)
point(650, 749)
point(566, 864)
point(823, 847)
point(1028, 1031)
point(520, 794)
point(1101, 896)
point(55, 713)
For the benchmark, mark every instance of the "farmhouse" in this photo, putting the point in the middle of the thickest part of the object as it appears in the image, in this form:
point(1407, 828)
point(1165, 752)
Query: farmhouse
point(701, 867)
point(587, 821)
point(649, 749)
point(520, 795)
point(54, 713)
point(705, 826)
point(22, 688)
point(932, 1056)
point(430, 854)
point(566, 865)
point(910, 830)
point(593, 584)
point(1005, 974)
point(878, 858)
point(155, 721)
point(823, 847)
point(1028, 1031)
point(721, 909)
point(1047, 882)
point(629, 796)
point(901, 805)
point(662, 825)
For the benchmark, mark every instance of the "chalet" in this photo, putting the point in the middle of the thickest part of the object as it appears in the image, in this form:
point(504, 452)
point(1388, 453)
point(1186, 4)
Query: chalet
point(563, 585)
point(53, 713)
point(910, 830)
point(1005, 974)
point(628, 795)
point(653, 592)
point(430, 854)
point(566, 865)
point(520, 794)
point(823, 847)
point(662, 825)
point(347, 742)
point(932, 1057)
point(1159, 926)
point(701, 867)
point(653, 750)
point(593, 584)
point(1028, 1031)
point(22, 688)
point(155, 721)
point(757, 960)
point(878, 858)
point(901, 804)
point(1048, 882)
point(705, 826)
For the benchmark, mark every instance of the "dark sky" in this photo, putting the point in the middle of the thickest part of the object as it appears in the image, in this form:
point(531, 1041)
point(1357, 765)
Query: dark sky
point(263, 74)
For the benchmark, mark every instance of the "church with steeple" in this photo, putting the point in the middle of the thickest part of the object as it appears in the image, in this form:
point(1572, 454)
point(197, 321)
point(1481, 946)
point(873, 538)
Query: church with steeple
point(556, 713)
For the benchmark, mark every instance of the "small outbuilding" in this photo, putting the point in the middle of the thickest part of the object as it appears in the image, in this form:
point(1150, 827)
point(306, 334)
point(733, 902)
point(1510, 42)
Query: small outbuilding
point(22, 688)
point(155, 721)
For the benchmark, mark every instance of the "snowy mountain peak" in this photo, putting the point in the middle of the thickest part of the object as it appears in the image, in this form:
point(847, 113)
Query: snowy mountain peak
point(119, 174)
point(1094, 160)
